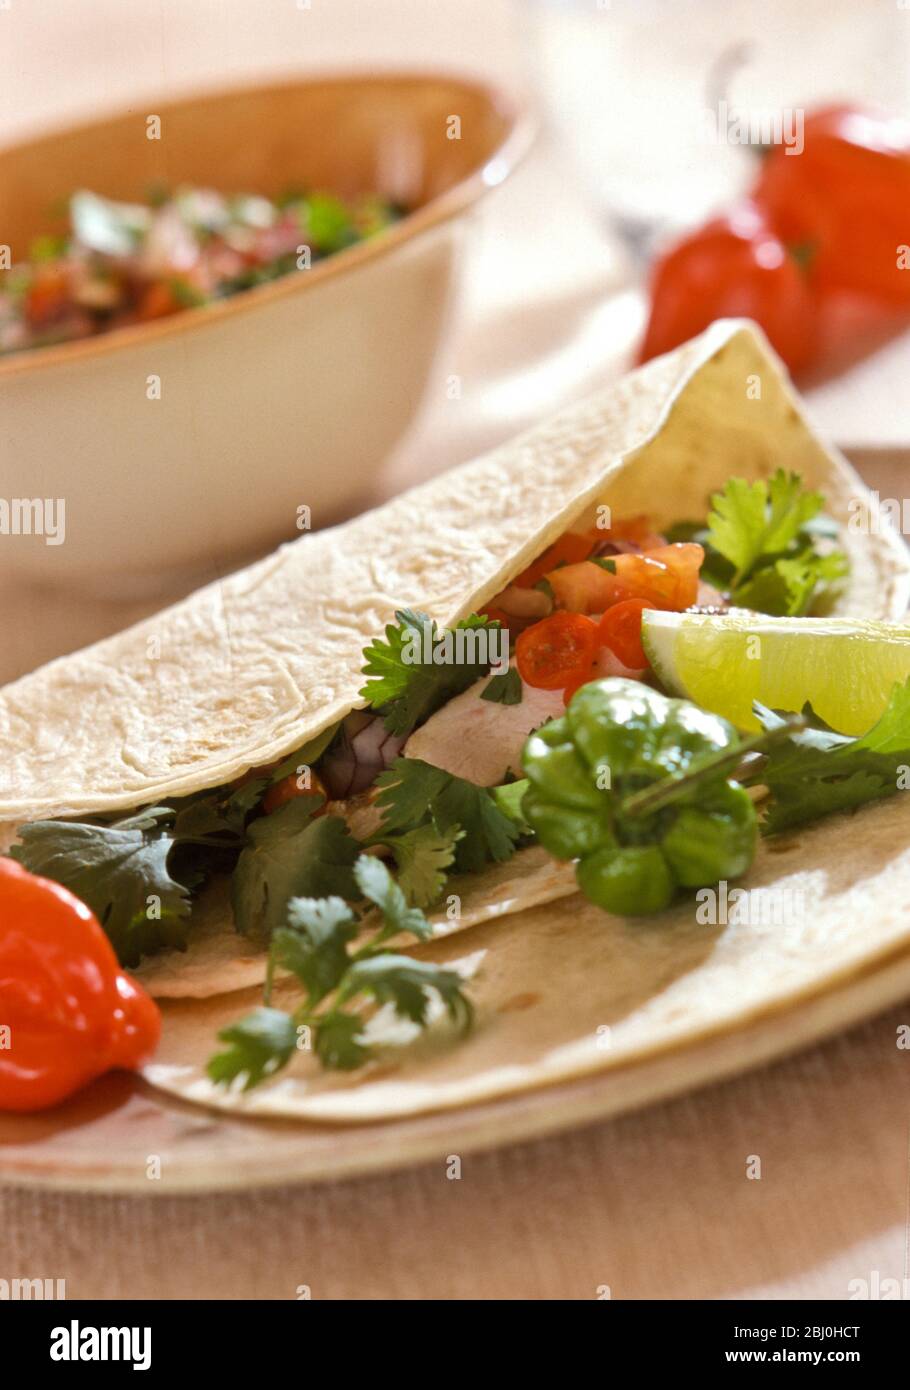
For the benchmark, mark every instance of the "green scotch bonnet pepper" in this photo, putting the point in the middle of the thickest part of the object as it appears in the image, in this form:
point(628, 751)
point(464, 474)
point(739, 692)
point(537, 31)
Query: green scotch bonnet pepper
point(616, 738)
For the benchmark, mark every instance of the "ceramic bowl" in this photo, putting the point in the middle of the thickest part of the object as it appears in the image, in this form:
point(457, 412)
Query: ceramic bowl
point(205, 435)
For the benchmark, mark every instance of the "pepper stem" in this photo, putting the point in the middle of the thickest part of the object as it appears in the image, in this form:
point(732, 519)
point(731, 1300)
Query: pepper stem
point(670, 789)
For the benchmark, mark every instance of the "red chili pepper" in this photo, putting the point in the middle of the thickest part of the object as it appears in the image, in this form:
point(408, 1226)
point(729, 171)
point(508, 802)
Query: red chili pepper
point(734, 266)
point(67, 1011)
point(620, 630)
point(846, 199)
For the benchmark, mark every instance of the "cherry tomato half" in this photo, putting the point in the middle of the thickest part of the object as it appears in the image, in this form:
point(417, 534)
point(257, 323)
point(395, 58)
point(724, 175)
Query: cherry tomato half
point(557, 649)
point(734, 266)
point(620, 630)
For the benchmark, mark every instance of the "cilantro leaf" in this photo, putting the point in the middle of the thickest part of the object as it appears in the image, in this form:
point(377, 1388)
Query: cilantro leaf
point(737, 523)
point(290, 854)
point(120, 871)
point(314, 946)
point(412, 793)
point(750, 520)
point(505, 689)
point(259, 1045)
point(404, 685)
point(508, 798)
point(221, 814)
point(329, 223)
point(422, 857)
point(488, 834)
point(787, 587)
point(817, 772)
point(406, 984)
point(762, 545)
point(406, 793)
point(338, 1044)
point(789, 510)
point(304, 756)
point(377, 884)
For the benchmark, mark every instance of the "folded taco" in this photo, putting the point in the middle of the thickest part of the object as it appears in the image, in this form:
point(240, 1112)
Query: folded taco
point(550, 762)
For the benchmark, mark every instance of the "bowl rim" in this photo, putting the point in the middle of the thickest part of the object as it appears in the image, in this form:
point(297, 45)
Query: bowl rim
point(498, 165)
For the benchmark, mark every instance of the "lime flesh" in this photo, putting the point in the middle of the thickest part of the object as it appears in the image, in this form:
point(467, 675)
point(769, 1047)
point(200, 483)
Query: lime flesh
point(845, 667)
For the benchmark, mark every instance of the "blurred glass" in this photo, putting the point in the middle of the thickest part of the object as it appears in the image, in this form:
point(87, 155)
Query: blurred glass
point(654, 99)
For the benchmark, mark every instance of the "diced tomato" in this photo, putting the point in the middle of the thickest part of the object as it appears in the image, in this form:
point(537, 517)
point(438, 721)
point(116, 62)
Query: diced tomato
point(556, 650)
point(620, 630)
point(157, 302)
point(588, 587)
point(568, 550)
point(288, 788)
point(666, 577)
point(47, 294)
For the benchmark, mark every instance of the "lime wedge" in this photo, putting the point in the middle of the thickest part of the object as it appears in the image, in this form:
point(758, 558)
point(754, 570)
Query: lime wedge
point(845, 667)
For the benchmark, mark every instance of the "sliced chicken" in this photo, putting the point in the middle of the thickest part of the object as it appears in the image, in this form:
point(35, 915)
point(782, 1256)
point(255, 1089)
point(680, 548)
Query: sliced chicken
point(478, 739)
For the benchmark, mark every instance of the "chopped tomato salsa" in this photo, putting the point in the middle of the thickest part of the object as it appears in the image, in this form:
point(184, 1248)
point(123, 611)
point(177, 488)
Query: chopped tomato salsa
point(123, 263)
point(597, 582)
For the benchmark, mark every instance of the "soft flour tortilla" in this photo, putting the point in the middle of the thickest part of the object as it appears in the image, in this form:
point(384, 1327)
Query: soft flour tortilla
point(219, 960)
point(566, 990)
point(246, 670)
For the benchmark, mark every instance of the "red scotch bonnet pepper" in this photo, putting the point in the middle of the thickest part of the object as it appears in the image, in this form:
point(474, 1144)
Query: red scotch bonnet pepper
point(67, 1011)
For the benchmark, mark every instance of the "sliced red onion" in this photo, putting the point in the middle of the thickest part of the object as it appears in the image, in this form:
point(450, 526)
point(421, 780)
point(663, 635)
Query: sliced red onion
point(606, 548)
point(365, 749)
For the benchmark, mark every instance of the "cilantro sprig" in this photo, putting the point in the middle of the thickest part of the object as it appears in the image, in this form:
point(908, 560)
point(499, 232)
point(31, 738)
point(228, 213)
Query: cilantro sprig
point(818, 771)
point(423, 857)
point(505, 689)
point(417, 666)
point(415, 795)
point(140, 874)
point(315, 946)
point(768, 545)
point(287, 854)
point(121, 871)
